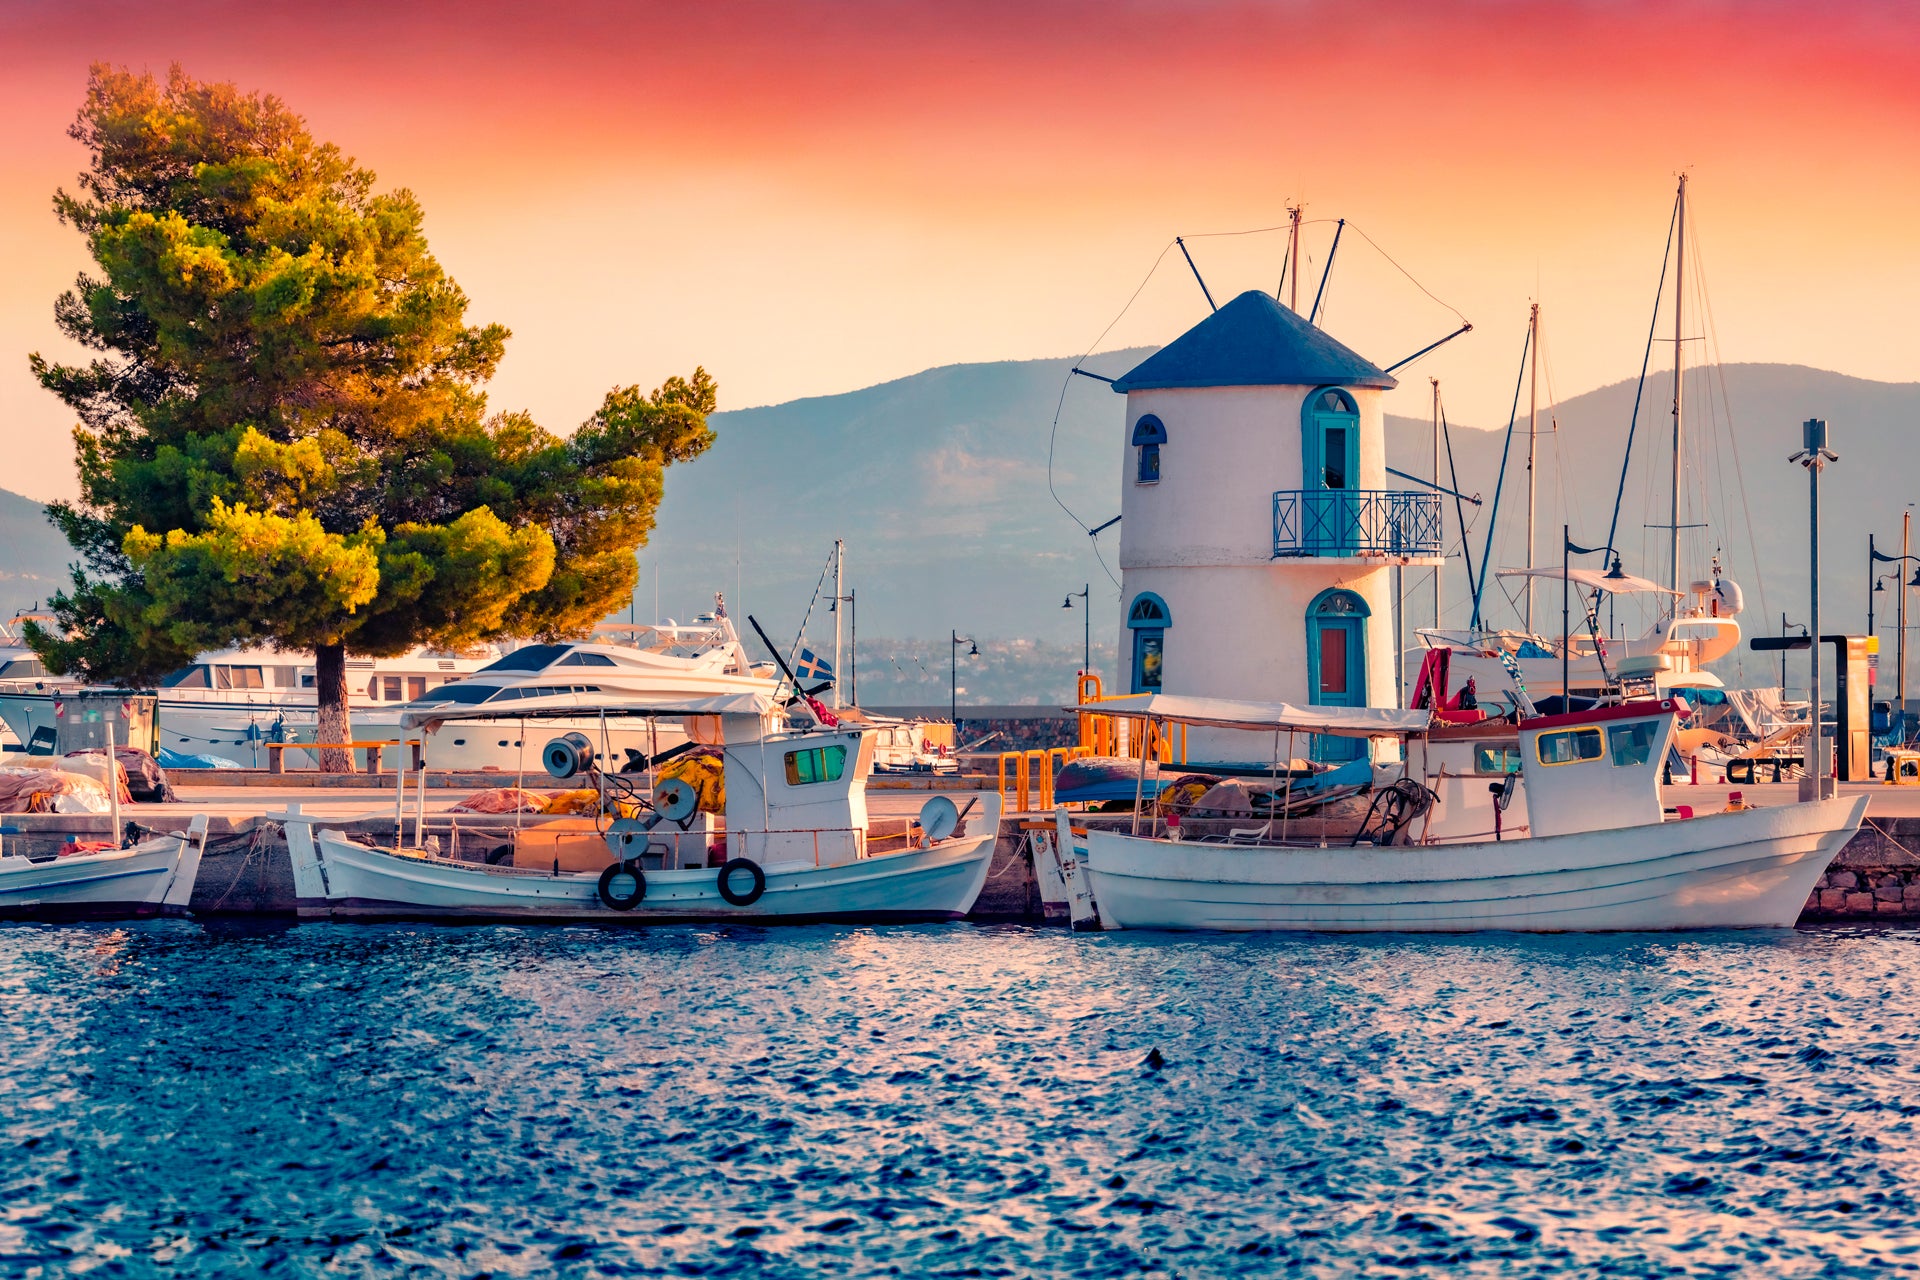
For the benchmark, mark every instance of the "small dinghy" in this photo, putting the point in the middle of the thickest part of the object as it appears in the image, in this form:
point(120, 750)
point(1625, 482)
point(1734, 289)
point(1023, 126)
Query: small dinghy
point(153, 877)
point(1592, 849)
point(797, 844)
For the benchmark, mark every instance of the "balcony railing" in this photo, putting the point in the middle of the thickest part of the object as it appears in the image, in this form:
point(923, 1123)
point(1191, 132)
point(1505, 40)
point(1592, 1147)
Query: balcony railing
point(1355, 522)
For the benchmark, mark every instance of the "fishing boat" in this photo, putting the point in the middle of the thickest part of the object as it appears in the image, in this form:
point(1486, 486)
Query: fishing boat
point(797, 844)
point(153, 877)
point(1592, 849)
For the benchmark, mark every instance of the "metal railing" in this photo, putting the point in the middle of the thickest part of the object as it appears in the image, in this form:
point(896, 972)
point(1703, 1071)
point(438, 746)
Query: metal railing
point(1355, 522)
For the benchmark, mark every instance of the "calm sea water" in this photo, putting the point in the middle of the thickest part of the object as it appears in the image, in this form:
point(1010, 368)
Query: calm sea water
point(953, 1101)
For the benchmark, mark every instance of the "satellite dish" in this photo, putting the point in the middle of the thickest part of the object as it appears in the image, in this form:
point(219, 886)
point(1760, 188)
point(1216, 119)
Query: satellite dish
point(567, 755)
point(938, 819)
point(675, 800)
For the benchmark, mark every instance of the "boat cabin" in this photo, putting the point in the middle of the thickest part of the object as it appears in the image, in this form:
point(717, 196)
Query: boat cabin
point(1596, 770)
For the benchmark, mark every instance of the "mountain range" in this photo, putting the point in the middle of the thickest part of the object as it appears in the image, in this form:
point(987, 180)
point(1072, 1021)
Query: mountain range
point(939, 484)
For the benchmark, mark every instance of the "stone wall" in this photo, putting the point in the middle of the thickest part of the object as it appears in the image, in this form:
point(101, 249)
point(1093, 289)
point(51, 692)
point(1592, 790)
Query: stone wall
point(1876, 877)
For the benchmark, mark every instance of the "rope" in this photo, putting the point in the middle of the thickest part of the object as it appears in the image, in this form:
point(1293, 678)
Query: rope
point(1891, 839)
point(254, 844)
point(1493, 521)
point(1645, 360)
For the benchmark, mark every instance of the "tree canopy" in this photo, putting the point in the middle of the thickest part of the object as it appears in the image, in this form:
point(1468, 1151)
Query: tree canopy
point(283, 437)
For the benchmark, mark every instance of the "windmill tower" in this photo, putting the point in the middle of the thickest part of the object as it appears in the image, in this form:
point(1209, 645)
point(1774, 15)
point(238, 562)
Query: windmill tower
point(1257, 527)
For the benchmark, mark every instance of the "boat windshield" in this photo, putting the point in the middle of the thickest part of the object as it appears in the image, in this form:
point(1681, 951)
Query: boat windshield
point(533, 657)
point(463, 693)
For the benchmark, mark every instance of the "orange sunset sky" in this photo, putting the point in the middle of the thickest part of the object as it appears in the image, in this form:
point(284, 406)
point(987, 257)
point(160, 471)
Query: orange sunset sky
point(810, 199)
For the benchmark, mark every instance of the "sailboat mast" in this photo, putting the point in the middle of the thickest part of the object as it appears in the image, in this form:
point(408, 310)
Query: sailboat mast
point(1533, 436)
point(1436, 487)
point(839, 597)
point(1679, 297)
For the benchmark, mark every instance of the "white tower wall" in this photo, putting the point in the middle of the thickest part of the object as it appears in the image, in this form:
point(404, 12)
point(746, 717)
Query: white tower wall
point(1202, 539)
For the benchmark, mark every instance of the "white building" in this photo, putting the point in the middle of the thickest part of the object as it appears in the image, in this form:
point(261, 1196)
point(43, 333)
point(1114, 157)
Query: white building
point(1258, 527)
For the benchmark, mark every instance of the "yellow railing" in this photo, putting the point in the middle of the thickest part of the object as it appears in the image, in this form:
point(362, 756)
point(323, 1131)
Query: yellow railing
point(1111, 736)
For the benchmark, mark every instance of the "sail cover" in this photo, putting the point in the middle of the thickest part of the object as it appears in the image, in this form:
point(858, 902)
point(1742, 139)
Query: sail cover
point(1230, 713)
point(1592, 579)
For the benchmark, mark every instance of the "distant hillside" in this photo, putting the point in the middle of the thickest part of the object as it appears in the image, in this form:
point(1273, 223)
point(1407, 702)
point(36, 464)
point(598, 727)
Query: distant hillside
point(35, 561)
point(1875, 428)
point(938, 483)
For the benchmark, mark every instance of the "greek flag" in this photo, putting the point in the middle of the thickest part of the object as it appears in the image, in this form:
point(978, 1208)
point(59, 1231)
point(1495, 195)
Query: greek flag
point(812, 666)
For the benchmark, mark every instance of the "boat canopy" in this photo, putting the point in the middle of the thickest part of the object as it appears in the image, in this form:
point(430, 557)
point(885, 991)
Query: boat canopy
point(1229, 713)
point(1593, 579)
point(576, 705)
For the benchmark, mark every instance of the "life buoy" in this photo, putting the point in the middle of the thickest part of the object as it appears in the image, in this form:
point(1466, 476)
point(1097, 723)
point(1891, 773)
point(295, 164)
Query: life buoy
point(611, 879)
point(731, 867)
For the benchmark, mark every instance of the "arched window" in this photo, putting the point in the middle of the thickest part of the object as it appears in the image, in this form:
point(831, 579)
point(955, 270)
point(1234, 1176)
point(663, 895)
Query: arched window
point(1148, 435)
point(1337, 663)
point(1148, 620)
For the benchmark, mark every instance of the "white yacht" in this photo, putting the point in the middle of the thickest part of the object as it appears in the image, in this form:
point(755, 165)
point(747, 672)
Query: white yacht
point(229, 705)
point(702, 660)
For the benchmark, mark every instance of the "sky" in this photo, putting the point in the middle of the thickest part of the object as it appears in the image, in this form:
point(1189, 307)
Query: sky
point(814, 198)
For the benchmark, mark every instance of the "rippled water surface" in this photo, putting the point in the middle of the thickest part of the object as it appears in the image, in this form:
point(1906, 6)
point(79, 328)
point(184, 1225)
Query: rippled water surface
point(953, 1101)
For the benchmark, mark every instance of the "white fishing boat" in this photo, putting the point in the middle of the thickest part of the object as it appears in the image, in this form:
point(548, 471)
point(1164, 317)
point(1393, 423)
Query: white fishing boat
point(153, 877)
point(797, 844)
point(1595, 850)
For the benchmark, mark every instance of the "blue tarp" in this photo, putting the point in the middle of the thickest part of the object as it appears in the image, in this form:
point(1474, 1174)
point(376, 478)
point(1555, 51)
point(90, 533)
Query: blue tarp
point(171, 759)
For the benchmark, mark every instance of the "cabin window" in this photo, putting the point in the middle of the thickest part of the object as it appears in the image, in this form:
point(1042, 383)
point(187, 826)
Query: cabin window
point(816, 764)
point(585, 660)
point(1148, 435)
point(416, 687)
point(237, 678)
point(1631, 744)
point(1496, 760)
point(1147, 621)
point(1568, 746)
point(187, 678)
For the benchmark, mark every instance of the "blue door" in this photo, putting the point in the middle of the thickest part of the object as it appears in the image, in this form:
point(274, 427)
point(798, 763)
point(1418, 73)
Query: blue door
point(1330, 436)
point(1337, 665)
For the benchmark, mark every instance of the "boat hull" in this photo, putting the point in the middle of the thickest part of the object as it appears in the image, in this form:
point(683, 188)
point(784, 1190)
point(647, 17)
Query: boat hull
point(336, 878)
point(1749, 869)
point(154, 877)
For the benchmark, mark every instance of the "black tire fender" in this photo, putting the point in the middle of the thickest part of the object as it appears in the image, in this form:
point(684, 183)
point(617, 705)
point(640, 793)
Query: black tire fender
point(732, 867)
point(610, 895)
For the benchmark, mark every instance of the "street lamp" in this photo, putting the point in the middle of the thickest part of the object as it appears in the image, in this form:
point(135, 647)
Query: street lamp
point(1814, 455)
point(1875, 556)
point(1086, 625)
point(953, 683)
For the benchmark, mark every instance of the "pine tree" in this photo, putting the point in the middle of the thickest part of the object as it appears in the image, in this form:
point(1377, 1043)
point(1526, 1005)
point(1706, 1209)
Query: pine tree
point(284, 438)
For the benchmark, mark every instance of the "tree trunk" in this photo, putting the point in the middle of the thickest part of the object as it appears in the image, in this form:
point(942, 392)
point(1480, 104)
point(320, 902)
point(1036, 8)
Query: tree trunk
point(330, 692)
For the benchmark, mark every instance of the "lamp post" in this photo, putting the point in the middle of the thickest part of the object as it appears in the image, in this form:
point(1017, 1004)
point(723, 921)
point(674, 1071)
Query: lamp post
point(1086, 625)
point(1814, 455)
point(1875, 556)
point(953, 683)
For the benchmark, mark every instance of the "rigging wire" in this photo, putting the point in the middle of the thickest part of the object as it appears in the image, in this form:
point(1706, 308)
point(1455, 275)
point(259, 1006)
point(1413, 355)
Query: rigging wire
point(1493, 521)
point(1645, 360)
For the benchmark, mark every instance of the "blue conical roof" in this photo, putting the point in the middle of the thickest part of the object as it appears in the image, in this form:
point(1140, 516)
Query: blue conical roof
point(1253, 341)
